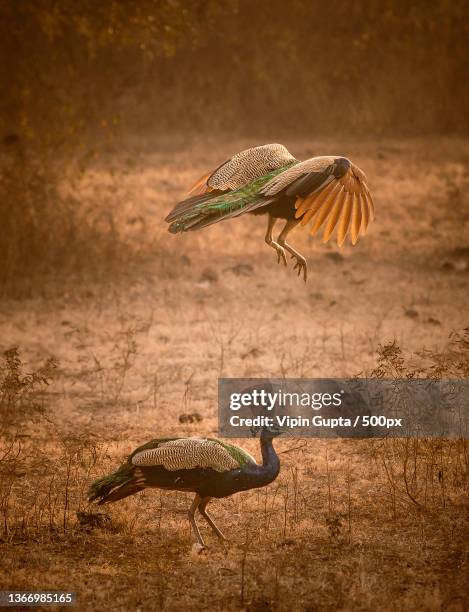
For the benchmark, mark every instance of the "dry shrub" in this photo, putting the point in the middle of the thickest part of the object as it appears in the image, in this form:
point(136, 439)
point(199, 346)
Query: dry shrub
point(424, 472)
point(20, 399)
point(43, 475)
point(43, 489)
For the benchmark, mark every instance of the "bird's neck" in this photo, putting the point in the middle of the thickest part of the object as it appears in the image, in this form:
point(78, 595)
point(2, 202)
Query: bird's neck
point(270, 460)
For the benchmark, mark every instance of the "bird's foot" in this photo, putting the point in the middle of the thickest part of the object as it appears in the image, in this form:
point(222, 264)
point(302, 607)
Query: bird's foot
point(281, 256)
point(301, 266)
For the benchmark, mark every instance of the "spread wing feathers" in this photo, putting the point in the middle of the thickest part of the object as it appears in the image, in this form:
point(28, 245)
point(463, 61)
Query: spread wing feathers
point(234, 174)
point(200, 211)
point(190, 453)
point(329, 190)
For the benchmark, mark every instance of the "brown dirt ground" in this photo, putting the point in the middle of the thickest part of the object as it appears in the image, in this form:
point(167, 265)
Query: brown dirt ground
point(138, 349)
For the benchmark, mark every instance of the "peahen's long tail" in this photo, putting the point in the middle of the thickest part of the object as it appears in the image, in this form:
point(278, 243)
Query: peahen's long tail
point(115, 486)
point(202, 210)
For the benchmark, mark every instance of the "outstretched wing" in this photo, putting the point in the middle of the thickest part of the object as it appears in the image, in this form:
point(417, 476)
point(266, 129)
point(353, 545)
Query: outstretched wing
point(238, 171)
point(190, 453)
point(328, 190)
point(202, 210)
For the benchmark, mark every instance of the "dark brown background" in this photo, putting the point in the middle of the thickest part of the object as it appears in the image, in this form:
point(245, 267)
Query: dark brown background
point(235, 66)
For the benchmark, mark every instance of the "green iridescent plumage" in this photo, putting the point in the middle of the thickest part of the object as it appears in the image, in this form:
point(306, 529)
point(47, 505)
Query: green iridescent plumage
point(212, 209)
point(239, 454)
point(101, 487)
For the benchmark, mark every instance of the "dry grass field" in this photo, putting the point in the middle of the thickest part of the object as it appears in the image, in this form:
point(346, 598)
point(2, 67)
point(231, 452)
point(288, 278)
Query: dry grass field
point(349, 524)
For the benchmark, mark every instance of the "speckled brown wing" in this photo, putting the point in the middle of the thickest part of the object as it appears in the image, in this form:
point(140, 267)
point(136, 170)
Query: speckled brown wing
point(187, 454)
point(234, 174)
point(243, 168)
point(330, 192)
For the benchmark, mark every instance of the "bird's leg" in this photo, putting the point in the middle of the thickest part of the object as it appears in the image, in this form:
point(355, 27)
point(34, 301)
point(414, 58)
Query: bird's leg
point(208, 518)
point(271, 242)
point(300, 260)
point(191, 515)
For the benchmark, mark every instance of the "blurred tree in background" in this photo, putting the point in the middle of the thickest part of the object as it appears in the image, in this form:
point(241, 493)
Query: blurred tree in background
point(76, 74)
point(233, 65)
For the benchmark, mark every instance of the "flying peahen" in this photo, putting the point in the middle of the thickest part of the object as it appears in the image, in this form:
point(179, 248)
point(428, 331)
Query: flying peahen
point(327, 190)
point(204, 466)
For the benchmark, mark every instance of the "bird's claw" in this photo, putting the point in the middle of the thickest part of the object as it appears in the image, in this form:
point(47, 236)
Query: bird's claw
point(301, 266)
point(281, 255)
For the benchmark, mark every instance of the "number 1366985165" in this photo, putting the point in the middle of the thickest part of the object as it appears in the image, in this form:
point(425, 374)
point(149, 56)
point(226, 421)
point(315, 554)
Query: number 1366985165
point(37, 598)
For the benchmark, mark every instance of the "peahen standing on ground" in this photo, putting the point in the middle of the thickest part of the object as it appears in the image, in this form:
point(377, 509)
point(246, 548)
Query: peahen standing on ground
point(328, 190)
point(204, 466)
